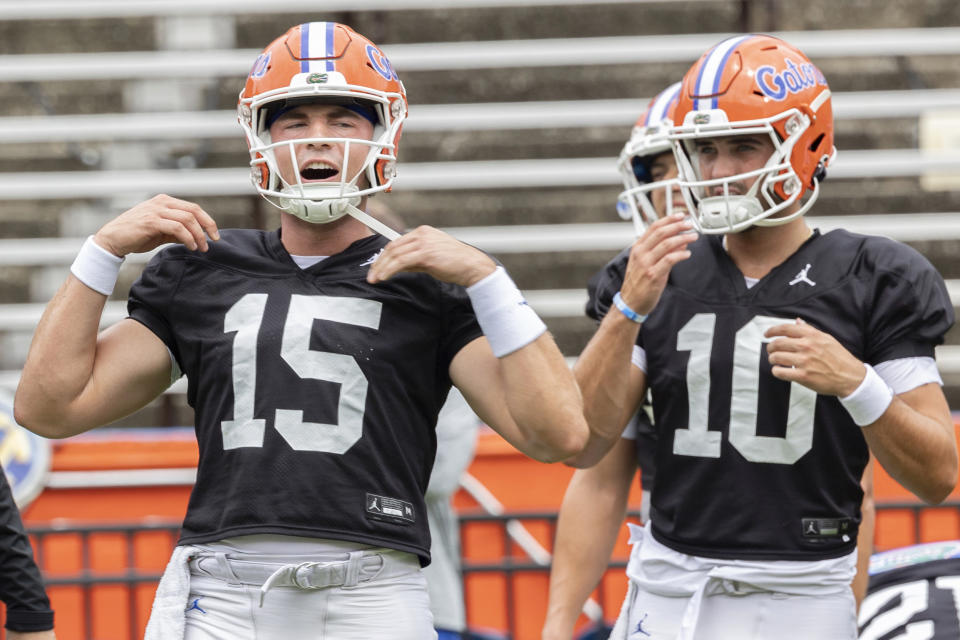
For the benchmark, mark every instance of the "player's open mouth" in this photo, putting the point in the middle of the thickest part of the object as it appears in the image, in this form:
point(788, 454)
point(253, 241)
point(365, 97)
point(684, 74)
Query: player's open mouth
point(318, 171)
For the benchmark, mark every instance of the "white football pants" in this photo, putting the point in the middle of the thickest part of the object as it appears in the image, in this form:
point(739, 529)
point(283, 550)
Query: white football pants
point(360, 599)
point(675, 596)
point(760, 615)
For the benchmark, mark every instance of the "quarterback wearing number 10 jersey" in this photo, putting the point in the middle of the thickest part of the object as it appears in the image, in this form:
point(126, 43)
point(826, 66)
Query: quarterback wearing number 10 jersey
point(749, 466)
point(316, 394)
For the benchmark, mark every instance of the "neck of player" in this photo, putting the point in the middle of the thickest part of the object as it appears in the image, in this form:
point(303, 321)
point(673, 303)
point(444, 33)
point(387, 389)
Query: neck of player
point(302, 238)
point(758, 250)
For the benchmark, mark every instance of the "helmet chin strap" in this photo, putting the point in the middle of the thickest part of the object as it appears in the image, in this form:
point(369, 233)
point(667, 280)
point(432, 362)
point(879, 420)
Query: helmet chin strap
point(371, 222)
point(330, 209)
point(324, 210)
point(727, 213)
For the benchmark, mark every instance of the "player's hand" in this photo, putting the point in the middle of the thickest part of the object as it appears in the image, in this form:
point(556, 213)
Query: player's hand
point(429, 250)
point(815, 359)
point(157, 221)
point(652, 256)
point(31, 635)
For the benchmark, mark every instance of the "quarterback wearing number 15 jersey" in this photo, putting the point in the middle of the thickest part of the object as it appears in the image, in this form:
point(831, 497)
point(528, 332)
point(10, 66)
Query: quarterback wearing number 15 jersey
point(749, 466)
point(316, 394)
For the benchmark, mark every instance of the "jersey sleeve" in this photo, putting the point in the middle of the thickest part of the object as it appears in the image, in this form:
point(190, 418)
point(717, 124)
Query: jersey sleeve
point(460, 322)
point(602, 286)
point(21, 587)
point(151, 298)
point(910, 308)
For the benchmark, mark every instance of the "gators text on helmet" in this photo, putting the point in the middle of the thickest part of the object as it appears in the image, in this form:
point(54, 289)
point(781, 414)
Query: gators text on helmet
point(754, 85)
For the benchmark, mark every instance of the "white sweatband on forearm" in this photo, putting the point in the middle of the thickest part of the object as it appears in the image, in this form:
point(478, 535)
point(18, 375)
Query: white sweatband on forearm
point(96, 267)
point(870, 400)
point(504, 316)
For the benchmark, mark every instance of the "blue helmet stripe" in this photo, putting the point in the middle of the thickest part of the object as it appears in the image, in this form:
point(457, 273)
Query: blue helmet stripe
point(329, 49)
point(316, 41)
point(305, 48)
point(661, 104)
point(711, 71)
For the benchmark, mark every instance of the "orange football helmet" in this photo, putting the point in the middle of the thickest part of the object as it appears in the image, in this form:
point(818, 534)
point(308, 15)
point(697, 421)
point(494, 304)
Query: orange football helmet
point(329, 63)
point(754, 85)
point(648, 140)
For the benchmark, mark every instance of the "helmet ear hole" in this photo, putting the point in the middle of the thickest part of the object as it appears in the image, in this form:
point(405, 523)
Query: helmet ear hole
point(816, 143)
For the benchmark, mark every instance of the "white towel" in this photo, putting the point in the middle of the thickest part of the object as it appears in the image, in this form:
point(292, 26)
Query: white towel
point(167, 617)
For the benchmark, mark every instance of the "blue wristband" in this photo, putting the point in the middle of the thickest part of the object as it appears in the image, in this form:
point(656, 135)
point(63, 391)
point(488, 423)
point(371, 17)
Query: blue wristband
point(627, 311)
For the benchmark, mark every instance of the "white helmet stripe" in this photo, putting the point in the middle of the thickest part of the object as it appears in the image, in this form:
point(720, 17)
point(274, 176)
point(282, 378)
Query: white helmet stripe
point(316, 41)
point(708, 81)
point(661, 104)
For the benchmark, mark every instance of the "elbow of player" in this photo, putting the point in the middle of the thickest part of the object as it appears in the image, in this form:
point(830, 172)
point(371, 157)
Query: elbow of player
point(562, 442)
point(29, 417)
point(941, 484)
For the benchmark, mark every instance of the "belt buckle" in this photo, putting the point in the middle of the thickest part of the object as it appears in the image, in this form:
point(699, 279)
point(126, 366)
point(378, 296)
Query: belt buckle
point(310, 569)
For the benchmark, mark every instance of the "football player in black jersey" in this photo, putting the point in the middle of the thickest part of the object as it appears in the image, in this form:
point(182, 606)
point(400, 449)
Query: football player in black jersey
point(778, 359)
point(598, 495)
point(317, 357)
point(595, 502)
point(29, 616)
point(914, 593)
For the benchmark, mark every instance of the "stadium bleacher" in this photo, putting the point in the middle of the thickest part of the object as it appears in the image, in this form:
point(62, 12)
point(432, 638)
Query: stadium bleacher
point(518, 109)
point(466, 160)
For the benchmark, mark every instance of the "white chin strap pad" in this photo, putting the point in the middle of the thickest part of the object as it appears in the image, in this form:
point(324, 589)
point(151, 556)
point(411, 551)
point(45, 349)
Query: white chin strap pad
point(324, 211)
point(727, 212)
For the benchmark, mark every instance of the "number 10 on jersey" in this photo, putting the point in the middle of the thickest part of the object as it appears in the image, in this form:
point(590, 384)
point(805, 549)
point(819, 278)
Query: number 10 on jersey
point(696, 336)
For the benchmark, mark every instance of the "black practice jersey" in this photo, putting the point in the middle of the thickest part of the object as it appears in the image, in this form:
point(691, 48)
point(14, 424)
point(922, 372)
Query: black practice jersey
point(914, 593)
point(749, 466)
point(316, 394)
point(21, 586)
point(600, 290)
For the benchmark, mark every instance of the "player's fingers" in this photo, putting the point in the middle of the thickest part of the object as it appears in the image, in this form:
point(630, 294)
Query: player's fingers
point(659, 272)
point(789, 374)
point(395, 258)
point(668, 227)
point(786, 359)
point(209, 224)
point(173, 231)
point(791, 345)
point(189, 223)
point(666, 248)
point(656, 233)
point(789, 330)
point(205, 220)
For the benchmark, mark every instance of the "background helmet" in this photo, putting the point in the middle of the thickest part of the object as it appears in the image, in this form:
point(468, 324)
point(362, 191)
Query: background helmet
point(754, 84)
point(648, 140)
point(331, 63)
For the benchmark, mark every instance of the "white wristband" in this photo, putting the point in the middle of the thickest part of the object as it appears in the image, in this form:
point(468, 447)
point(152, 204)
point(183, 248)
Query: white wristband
point(505, 317)
point(96, 267)
point(870, 400)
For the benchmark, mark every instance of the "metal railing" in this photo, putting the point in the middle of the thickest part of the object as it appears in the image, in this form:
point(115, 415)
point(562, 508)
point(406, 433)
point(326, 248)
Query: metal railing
point(486, 116)
point(511, 565)
point(491, 54)
point(88, 579)
point(70, 9)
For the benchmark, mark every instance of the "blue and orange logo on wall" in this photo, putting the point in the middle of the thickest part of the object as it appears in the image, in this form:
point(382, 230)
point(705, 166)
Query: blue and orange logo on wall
point(24, 456)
